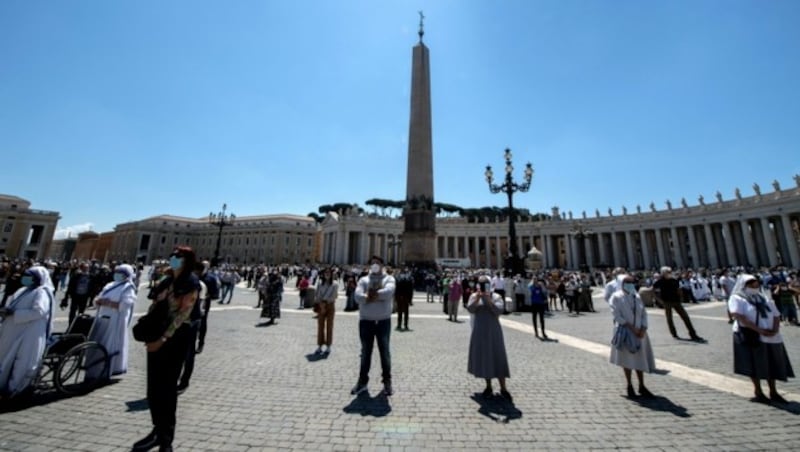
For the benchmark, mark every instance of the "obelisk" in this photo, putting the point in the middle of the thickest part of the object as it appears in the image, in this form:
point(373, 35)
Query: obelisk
point(419, 234)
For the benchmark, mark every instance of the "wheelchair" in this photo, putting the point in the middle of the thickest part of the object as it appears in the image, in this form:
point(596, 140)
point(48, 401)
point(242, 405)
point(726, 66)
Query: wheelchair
point(72, 363)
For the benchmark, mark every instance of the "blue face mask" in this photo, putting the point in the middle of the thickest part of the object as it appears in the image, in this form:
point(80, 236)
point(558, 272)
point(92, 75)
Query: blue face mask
point(27, 280)
point(119, 277)
point(629, 288)
point(175, 262)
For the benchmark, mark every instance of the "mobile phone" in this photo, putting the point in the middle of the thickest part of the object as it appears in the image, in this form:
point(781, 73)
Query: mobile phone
point(482, 286)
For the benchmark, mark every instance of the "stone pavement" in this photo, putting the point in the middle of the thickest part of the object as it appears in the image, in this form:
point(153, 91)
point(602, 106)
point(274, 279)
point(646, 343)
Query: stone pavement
point(258, 388)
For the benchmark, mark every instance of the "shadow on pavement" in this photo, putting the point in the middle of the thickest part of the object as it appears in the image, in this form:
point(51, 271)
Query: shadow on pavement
point(137, 405)
point(497, 408)
point(266, 324)
point(365, 405)
point(547, 339)
point(790, 407)
point(43, 397)
point(660, 403)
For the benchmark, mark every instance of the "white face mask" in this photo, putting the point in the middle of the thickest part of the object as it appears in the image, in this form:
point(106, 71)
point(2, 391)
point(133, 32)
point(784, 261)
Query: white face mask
point(752, 290)
point(375, 268)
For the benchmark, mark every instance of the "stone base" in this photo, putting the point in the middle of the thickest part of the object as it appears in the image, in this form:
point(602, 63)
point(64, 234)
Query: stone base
point(419, 248)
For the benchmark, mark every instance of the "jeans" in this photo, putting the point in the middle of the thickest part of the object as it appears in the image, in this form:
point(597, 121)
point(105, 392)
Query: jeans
point(368, 331)
point(227, 291)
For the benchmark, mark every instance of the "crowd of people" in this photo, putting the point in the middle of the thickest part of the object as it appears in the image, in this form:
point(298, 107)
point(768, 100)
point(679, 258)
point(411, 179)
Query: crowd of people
point(759, 303)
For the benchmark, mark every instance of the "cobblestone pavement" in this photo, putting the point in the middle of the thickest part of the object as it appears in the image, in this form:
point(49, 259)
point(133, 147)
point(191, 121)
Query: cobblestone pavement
point(259, 388)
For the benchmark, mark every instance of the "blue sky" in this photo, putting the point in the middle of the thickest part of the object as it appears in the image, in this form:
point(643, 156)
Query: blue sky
point(117, 111)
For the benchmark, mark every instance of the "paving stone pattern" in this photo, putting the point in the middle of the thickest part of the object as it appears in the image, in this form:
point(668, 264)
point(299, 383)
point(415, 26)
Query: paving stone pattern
point(259, 388)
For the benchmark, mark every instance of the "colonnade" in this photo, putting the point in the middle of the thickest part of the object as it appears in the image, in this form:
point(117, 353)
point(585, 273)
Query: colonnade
point(760, 231)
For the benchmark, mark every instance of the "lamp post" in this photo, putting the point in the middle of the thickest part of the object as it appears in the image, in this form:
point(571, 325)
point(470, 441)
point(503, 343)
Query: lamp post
point(580, 233)
point(513, 263)
point(220, 220)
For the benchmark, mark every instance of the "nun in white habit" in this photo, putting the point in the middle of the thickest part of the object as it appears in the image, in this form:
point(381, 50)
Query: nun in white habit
point(633, 352)
point(114, 312)
point(27, 321)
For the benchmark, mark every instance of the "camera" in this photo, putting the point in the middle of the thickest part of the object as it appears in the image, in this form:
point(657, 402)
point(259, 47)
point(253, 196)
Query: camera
point(482, 286)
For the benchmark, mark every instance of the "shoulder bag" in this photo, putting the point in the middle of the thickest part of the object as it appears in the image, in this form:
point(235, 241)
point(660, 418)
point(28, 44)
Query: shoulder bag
point(151, 326)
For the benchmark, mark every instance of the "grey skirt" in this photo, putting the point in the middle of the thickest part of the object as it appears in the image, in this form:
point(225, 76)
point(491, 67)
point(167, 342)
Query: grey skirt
point(767, 361)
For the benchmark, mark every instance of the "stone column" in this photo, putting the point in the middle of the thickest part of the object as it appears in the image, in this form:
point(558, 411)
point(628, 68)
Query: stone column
point(570, 242)
point(645, 249)
point(693, 247)
point(662, 257)
point(713, 258)
point(676, 247)
point(601, 247)
point(488, 251)
point(752, 257)
point(769, 242)
point(727, 237)
point(791, 243)
point(546, 246)
point(344, 255)
point(616, 252)
point(588, 243)
point(629, 245)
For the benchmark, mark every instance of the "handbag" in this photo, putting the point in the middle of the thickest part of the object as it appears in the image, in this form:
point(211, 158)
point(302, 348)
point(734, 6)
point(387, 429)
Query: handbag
point(747, 337)
point(151, 326)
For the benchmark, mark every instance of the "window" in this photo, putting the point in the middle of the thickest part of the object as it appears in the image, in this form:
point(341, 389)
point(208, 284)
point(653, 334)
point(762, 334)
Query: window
point(8, 227)
point(163, 239)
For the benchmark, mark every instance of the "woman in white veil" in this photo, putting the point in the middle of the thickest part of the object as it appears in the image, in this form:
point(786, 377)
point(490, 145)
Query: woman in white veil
point(27, 321)
point(114, 311)
point(762, 356)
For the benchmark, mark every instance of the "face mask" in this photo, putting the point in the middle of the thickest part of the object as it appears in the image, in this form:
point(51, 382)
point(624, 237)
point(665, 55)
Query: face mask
point(375, 268)
point(629, 287)
point(27, 281)
point(119, 277)
point(175, 262)
point(752, 290)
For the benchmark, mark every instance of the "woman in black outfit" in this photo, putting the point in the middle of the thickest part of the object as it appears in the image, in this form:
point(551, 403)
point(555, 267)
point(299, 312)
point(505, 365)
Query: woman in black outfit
point(166, 355)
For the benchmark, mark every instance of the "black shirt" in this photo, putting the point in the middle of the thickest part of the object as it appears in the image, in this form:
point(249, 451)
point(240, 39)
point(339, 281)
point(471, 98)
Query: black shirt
point(667, 289)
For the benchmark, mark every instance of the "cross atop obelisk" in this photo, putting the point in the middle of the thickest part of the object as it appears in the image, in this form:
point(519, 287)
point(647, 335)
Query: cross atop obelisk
point(421, 26)
point(419, 233)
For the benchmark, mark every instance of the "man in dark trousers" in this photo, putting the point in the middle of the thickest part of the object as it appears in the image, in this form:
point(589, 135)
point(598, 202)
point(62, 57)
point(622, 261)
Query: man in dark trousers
point(667, 289)
point(403, 295)
point(79, 290)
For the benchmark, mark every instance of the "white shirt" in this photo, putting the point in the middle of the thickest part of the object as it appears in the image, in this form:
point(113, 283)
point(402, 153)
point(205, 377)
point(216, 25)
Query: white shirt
point(739, 305)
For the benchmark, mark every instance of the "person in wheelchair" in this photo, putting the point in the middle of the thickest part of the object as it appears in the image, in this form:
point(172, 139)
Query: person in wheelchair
point(114, 312)
point(25, 328)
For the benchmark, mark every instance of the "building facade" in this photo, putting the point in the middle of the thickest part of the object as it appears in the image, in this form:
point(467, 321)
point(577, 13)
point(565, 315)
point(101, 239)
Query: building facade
point(27, 233)
point(268, 239)
point(759, 230)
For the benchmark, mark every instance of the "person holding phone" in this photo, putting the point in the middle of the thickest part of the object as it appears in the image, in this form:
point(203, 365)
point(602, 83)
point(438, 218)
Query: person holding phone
point(487, 349)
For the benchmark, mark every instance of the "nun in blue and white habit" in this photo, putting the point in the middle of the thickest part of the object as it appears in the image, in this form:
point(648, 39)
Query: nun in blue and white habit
point(27, 321)
point(114, 312)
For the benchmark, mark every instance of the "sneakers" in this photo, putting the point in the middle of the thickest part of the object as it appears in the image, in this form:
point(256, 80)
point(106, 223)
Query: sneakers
point(358, 389)
point(318, 351)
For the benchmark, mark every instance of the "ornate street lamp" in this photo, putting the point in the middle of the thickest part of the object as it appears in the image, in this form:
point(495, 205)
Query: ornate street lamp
point(580, 233)
point(220, 220)
point(513, 264)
